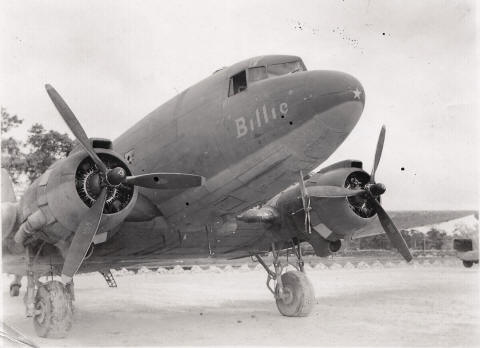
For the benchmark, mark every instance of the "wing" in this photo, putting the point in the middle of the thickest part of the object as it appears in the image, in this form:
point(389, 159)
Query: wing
point(410, 219)
point(233, 190)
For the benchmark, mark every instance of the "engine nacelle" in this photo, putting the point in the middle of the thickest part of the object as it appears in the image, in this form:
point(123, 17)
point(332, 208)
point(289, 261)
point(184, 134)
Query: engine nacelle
point(332, 218)
point(64, 193)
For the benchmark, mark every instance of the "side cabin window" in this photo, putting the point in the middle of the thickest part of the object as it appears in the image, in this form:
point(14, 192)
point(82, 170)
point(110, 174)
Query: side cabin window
point(257, 73)
point(238, 83)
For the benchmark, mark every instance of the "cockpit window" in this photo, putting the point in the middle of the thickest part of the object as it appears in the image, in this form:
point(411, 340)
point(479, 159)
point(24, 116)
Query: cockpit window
point(285, 68)
point(238, 83)
point(257, 73)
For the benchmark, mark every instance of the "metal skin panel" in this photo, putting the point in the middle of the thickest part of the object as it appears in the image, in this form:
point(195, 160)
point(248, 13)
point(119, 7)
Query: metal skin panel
point(143, 210)
point(28, 203)
point(292, 147)
point(156, 242)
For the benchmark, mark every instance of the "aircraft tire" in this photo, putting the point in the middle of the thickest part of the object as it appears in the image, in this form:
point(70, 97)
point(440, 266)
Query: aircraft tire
point(300, 295)
point(467, 264)
point(55, 310)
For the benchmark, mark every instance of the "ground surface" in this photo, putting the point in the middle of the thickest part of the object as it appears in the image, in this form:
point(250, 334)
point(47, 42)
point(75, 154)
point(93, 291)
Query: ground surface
point(420, 305)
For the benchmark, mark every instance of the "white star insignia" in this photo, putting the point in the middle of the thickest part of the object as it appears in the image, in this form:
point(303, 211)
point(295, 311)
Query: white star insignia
point(356, 93)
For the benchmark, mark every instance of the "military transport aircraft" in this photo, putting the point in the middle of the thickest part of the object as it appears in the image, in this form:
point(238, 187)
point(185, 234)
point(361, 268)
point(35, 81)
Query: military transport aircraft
point(217, 170)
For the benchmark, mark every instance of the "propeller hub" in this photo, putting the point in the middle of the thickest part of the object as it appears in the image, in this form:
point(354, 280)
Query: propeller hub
point(116, 176)
point(376, 189)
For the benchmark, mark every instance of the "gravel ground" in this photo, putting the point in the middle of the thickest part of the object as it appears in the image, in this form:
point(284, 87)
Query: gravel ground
point(420, 305)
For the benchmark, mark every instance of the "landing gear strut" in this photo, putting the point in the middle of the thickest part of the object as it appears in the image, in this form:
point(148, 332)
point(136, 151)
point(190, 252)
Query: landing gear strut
point(292, 290)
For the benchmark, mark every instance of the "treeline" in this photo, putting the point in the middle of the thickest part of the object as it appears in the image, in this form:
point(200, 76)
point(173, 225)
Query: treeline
point(29, 159)
point(416, 240)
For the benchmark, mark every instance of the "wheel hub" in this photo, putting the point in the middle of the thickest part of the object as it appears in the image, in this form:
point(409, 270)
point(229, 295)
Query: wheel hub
point(286, 296)
point(40, 312)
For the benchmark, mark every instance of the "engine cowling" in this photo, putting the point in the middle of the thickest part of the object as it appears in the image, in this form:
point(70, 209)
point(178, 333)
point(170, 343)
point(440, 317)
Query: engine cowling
point(57, 200)
point(334, 218)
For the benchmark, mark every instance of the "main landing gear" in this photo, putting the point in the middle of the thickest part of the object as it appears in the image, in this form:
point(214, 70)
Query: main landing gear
point(53, 315)
point(292, 290)
point(50, 304)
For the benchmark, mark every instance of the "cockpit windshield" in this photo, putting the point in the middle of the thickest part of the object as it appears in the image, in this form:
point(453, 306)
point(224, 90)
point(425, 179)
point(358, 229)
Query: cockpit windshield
point(257, 73)
point(273, 70)
point(285, 68)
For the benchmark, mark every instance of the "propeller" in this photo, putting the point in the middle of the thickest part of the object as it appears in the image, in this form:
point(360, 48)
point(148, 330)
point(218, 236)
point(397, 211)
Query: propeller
point(83, 237)
point(374, 190)
point(391, 230)
point(101, 181)
point(165, 181)
point(378, 153)
point(306, 204)
point(371, 192)
point(75, 126)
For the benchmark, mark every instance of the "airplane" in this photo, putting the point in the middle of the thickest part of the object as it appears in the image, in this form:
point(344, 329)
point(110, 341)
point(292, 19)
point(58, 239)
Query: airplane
point(217, 171)
point(467, 248)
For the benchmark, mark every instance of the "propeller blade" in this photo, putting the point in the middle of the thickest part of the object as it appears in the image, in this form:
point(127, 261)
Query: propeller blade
point(391, 230)
point(332, 192)
point(308, 226)
point(75, 126)
point(83, 237)
point(306, 203)
point(378, 153)
point(166, 181)
point(302, 189)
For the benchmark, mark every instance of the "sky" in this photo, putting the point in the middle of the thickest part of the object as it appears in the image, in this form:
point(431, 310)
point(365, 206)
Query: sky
point(115, 61)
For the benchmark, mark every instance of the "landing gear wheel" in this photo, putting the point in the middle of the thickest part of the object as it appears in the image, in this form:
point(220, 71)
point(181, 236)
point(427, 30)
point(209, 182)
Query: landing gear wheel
point(53, 310)
point(468, 264)
point(14, 290)
point(298, 295)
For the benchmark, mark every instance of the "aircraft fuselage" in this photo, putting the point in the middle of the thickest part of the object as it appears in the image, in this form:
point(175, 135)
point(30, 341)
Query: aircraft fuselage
point(248, 129)
point(249, 145)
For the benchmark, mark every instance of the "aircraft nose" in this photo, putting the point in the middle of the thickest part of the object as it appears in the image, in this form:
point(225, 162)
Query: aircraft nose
point(338, 99)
